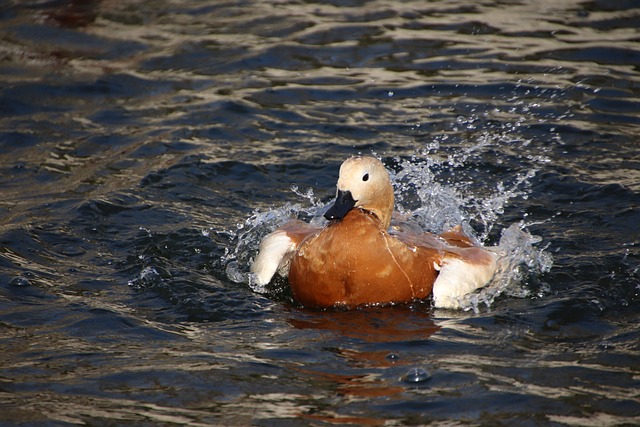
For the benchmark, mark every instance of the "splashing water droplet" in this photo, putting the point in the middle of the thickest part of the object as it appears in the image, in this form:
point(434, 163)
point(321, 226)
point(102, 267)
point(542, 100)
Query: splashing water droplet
point(416, 376)
point(19, 281)
point(234, 273)
point(149, 277)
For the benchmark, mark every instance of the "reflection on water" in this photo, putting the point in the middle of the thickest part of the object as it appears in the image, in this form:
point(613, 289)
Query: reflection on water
point(135, 135)
point(373, 324)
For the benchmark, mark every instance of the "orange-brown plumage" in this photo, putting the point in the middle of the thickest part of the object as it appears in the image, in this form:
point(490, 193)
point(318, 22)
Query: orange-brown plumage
point(355, 262)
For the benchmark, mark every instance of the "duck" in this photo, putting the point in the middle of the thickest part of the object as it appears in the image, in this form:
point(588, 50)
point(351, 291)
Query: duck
point(359, 259)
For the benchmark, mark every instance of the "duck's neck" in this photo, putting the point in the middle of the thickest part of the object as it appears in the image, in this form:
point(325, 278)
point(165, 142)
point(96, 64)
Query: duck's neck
point(366, 214)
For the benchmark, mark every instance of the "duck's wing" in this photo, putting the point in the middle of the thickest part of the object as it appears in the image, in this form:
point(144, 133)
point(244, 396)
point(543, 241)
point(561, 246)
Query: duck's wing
point(456, 237)
point(277, 249)
point(466, 266)
point(463, 270)
point(463, 265)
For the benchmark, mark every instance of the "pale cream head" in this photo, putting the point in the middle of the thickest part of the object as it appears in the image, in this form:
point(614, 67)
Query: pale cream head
point(370, 186)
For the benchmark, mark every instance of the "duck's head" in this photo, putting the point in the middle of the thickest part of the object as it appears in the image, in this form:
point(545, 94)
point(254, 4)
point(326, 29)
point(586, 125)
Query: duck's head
point(363, 183)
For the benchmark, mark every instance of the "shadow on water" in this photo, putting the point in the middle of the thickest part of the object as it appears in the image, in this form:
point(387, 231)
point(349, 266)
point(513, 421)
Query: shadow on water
point(146, 147)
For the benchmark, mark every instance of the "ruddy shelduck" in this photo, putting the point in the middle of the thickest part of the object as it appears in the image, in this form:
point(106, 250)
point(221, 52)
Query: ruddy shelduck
point(359, 259)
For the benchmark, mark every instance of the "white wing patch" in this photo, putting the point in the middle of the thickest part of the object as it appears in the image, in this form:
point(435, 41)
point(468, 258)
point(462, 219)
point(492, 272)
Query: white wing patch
point(458, 278)
point(274, 255)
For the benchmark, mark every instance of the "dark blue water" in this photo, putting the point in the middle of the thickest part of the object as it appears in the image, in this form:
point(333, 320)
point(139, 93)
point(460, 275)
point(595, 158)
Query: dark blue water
point(146, 146)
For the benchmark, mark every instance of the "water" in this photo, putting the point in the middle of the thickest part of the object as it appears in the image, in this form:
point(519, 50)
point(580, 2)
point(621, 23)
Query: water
point(146, 147)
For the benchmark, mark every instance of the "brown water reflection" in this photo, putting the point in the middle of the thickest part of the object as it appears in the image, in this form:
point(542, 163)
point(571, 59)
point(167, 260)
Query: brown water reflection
point(367, 340)
point(373, 324)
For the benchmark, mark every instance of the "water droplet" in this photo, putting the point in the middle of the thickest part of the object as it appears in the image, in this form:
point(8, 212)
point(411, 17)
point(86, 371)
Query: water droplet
point(393, 357)
point(19, 281)
point(416, 376)
point(234, 273)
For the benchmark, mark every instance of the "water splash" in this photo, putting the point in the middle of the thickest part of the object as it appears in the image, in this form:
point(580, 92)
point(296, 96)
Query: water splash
point(246, 239)
point(520, 258)
point(148, 277)
point(440, 203)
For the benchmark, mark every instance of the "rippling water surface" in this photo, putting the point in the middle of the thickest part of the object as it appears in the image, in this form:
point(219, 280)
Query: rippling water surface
point(147, 146)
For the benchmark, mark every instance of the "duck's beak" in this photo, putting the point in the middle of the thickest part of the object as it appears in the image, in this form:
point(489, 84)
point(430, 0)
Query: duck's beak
point(343, 204)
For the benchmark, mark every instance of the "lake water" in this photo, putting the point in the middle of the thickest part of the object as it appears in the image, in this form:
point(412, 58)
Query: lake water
point(147, 146)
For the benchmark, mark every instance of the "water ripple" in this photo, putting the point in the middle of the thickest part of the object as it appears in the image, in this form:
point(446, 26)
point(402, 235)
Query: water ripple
point(146, 147)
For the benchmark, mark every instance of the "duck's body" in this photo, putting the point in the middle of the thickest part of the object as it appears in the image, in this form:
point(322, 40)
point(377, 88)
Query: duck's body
point(356, 261)
point(365, 264)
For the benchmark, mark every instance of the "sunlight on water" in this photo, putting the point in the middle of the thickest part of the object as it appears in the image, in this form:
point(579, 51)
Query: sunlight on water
point(434, 192)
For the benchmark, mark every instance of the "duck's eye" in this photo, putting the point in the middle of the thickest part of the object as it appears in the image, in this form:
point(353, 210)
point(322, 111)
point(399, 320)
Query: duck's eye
point(365, 177)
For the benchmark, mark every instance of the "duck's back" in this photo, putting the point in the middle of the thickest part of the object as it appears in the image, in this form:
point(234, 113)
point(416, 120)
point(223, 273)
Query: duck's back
point(354, 262)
